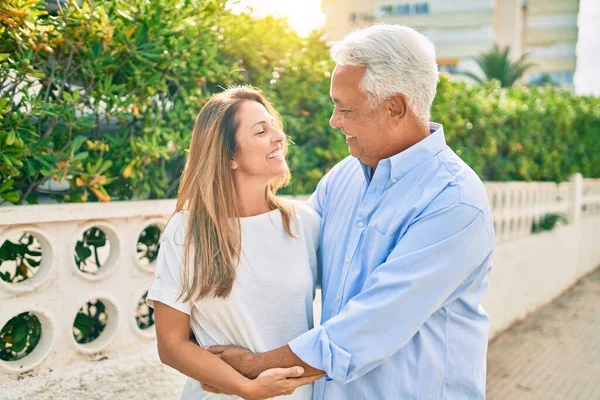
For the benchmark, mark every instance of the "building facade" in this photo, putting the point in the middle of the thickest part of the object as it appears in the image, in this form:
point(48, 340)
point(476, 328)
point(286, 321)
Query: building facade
point(462, 29)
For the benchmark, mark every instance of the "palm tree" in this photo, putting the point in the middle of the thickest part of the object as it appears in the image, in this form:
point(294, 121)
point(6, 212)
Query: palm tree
point(496, 64)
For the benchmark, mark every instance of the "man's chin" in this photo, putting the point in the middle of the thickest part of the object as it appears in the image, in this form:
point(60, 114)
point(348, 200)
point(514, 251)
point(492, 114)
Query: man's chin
point(354, 151)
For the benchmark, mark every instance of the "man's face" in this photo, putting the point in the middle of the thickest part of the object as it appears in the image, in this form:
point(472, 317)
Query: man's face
point(365, 129)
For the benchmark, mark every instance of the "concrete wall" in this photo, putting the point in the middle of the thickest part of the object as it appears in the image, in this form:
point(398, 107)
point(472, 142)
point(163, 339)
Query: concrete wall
point(532, 270)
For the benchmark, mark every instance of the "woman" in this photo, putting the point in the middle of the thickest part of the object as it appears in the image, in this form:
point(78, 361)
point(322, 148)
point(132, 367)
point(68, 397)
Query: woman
point(236, 263)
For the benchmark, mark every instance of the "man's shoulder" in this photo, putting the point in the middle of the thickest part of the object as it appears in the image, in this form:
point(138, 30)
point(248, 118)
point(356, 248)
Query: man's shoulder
point(347, 167)
point(466, 185)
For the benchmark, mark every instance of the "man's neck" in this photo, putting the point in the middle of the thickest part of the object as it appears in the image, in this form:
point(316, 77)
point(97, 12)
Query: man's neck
point(404, 138)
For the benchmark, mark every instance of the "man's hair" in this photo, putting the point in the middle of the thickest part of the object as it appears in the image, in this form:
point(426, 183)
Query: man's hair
point(398, 59)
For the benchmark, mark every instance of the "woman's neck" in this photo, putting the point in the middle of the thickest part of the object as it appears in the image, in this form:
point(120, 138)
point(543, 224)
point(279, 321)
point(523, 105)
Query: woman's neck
point(251, 197)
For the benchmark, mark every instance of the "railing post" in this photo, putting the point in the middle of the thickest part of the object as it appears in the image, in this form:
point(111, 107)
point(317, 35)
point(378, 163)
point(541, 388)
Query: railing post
point(575, 198)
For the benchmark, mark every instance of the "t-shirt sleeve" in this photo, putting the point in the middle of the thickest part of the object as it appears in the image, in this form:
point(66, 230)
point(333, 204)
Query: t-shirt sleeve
point(167, 281)
point(311, 222)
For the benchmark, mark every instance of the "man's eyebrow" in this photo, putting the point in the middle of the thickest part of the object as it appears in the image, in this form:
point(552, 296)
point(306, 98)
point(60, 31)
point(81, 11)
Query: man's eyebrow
point(338, 101)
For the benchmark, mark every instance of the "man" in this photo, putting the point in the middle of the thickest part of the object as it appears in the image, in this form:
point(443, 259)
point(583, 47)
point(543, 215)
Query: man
point(406, 240)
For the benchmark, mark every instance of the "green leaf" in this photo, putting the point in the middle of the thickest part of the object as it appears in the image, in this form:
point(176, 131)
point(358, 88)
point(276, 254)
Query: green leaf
point(81, 156)
point(18, 347)
point(13, 197)
point(29, 168)
point(20, 332)
point(83, 322)
point(106, 165)
point(10, 138)
point(6, 185)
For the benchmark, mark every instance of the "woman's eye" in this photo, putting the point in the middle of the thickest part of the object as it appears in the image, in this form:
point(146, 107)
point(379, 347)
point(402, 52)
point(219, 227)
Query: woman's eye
point(261, 132)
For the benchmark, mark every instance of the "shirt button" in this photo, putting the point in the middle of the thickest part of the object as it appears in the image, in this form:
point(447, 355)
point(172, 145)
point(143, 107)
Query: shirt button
point(347, 260)
point(157, 276)
point(360, 224)
point(338, 298)
point(394, 180)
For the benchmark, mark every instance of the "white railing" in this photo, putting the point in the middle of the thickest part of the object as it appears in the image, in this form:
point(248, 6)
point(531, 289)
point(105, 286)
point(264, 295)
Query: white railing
point(56, 288)
point(590, 197)
point(516, 205)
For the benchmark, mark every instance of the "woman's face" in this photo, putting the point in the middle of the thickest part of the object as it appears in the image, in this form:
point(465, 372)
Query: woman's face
point(259, 151)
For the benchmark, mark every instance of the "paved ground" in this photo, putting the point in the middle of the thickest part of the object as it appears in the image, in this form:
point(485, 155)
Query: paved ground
point(554, 353)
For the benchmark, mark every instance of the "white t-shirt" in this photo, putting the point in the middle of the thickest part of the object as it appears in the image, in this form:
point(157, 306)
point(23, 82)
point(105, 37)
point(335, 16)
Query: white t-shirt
point(271, 300)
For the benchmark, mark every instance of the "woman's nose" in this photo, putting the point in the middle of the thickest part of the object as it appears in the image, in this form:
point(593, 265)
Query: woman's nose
point(278, 136)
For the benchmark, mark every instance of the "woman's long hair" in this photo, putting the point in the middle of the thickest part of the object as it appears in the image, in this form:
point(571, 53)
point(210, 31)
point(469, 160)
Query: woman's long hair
point(208, 193)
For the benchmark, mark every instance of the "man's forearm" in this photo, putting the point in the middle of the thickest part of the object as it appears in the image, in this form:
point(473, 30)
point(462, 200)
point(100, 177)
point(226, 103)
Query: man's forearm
point(282, 357)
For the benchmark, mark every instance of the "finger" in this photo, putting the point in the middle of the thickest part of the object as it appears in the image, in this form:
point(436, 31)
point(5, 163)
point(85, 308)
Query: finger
point(216, 349)
point(282, 373)
point(211, 389)
point(292, 372)
point(208, 388)
point(304, 380)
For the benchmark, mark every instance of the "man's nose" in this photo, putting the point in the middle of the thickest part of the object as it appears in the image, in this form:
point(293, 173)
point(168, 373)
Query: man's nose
point(334, 121)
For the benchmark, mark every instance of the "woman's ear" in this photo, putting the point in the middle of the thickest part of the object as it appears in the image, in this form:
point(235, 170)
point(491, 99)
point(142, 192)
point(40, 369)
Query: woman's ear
point(233, 163)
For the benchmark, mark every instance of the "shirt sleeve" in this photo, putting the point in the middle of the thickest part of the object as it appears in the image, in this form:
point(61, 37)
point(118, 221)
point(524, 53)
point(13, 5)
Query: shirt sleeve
point(440, 256)
point(167, 281)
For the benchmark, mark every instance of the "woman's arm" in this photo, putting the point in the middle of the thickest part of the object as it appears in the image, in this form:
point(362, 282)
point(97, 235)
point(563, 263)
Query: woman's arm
point(176, 351)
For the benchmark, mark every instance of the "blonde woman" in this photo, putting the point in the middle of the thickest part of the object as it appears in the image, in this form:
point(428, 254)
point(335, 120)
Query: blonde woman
point(236, 264)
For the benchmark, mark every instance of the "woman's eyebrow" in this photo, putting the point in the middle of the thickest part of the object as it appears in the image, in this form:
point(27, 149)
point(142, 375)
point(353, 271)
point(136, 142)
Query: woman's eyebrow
point(258, 123)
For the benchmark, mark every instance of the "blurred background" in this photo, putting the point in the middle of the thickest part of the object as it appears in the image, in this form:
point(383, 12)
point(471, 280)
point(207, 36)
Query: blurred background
point(97, 102)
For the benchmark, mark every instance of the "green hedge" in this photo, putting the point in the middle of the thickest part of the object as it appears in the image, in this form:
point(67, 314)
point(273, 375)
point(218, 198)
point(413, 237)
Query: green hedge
point(105, 96)
point(523, 133)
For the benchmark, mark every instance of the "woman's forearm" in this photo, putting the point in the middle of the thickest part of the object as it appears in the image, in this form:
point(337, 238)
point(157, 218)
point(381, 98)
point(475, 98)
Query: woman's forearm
point(195, 362)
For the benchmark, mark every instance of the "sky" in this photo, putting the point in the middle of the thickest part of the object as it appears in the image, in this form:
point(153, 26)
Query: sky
point(304, 15)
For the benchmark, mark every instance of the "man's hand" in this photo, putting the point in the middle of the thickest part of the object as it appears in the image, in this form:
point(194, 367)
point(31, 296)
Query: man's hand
point(239, 358)
point(273, 382)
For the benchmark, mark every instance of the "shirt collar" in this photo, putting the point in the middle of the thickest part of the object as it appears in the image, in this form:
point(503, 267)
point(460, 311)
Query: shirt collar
point(400, 164)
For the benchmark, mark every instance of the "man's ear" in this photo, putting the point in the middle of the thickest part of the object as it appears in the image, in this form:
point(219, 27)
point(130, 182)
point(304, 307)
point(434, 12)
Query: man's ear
point(233, 163)
point(397, 106)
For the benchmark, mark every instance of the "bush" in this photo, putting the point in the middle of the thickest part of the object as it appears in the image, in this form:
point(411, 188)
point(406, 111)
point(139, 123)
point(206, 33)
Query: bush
point(104, 96)
point(523, 133)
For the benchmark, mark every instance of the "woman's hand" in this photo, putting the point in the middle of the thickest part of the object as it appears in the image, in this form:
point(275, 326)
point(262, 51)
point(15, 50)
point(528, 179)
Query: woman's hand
point(277, 382)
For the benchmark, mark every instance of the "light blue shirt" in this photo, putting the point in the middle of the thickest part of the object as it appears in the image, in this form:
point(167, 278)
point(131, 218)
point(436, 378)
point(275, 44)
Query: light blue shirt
point(406, 256)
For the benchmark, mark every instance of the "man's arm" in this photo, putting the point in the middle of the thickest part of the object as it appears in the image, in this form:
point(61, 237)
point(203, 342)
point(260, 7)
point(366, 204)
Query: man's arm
point(251, 365)
point(440, 255)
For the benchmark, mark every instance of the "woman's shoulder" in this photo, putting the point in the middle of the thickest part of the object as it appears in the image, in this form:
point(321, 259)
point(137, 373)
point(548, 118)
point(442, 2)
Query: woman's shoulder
point(304, 211)
point(176, 226)
point(308, 219)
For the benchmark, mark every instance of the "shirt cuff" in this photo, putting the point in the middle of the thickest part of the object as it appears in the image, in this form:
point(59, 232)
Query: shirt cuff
point(167, 297)
point(316, 350)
